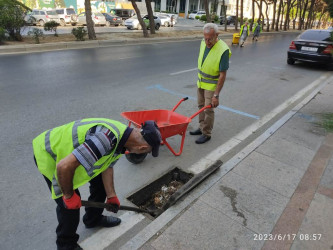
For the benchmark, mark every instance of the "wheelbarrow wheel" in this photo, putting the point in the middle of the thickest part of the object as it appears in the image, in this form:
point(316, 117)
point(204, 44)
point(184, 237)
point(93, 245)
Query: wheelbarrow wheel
point(135, 158)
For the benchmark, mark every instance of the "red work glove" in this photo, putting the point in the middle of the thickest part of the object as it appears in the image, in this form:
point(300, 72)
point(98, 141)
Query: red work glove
point(114, 204)
point(72, 203)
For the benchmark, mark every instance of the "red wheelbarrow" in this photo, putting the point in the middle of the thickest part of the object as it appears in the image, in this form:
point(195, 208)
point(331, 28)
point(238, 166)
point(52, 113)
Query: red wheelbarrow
point(169, 122)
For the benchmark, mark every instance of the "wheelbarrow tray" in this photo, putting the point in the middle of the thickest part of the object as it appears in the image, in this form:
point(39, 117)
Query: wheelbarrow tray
point(169, 122)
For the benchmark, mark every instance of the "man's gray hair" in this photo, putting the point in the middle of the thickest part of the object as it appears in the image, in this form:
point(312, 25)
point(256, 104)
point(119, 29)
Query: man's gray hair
point(210, 26)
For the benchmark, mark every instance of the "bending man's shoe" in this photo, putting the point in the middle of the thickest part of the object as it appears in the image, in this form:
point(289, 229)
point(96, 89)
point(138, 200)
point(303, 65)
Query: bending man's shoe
point(202, 139)
point(196, 132)
point(107, 221)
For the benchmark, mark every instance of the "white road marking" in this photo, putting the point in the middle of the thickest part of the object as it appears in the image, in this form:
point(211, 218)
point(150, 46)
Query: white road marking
point(184, 71)
point(104, 237)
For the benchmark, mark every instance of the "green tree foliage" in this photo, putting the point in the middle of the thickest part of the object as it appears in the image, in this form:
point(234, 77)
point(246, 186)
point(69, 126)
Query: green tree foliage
point(79, 33)
point(36, 34)
point(51, 26)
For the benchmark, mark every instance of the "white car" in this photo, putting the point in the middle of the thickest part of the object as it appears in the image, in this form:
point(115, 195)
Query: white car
point(166, 19)
point(133, 22)
point(98, 19)
point(192, 14)
point(67, 16)
point(200, 13)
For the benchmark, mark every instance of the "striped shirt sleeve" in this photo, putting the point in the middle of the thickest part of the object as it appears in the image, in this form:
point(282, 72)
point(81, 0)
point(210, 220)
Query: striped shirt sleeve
point(100, 141)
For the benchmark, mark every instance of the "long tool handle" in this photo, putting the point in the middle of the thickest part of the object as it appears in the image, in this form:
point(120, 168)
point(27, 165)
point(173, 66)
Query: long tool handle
point(105, 205)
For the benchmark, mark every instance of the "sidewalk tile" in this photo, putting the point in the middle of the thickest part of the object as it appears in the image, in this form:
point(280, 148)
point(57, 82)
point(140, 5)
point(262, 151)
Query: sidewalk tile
point(254, 206)
point(202, 227)
point(287, 152)
point(301, 130)
point(270, 173)
point(318, 220)
point(327, 178)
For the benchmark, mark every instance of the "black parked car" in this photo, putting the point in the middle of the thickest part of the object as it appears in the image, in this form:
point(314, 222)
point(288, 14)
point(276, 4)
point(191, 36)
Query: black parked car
point(312, 46)
point(112, 19)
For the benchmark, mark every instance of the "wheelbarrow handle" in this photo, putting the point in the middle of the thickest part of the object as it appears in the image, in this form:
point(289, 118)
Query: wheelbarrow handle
point(182, 100)
point(200, 110)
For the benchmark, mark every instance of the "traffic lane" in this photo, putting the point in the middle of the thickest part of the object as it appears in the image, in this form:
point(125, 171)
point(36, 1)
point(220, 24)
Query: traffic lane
point(58, 104)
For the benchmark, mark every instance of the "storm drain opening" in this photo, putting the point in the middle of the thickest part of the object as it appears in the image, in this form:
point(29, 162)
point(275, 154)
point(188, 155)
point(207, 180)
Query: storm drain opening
point(154, 196)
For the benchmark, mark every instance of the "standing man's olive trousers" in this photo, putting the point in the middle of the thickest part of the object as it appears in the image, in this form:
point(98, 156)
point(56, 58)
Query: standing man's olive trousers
point(206, 118)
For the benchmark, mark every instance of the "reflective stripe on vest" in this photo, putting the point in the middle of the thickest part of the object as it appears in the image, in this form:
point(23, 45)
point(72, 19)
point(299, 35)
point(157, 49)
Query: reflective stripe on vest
point(75, 135)
point(207, 75)
point(48, 145)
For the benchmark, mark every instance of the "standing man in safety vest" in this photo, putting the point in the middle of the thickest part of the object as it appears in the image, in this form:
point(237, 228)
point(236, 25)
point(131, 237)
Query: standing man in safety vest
point(213, 63)
point(84, 151)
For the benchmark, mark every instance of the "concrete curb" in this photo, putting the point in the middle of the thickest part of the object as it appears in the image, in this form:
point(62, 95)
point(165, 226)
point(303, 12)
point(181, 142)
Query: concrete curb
point(32, 48)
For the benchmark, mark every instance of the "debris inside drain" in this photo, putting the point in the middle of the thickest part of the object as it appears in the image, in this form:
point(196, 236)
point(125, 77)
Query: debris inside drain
point(160, 197)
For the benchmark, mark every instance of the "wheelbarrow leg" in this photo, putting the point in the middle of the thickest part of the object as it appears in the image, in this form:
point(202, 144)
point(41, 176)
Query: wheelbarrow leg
point(181, 145)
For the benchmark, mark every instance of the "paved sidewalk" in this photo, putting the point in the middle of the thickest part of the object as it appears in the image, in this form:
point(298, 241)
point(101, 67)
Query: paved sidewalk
point(279, 197)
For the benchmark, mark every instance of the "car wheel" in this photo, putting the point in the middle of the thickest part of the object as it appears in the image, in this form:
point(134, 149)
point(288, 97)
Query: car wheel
point(157, 26)
point(73, 24)
point(290, 61)
point(128, 28)
point(62, 22)
point(135, 158)
point(166, 24)
point(41, 23)
point(116, 25)
point(139, 27)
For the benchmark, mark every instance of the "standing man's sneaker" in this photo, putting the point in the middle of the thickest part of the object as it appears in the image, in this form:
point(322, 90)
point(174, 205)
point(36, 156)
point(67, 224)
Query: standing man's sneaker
point(202, 139)
point(196, 132)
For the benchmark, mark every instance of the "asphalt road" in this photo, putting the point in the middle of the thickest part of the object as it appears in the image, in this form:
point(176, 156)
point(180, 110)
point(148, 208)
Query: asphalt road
point(39, 91)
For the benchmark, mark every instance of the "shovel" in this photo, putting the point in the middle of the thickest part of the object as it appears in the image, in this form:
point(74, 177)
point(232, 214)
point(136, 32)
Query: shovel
point(105, 205)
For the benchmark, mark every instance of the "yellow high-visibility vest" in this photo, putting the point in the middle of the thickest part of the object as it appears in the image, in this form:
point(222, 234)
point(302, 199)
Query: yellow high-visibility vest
point(209, 70)
point(55, 144)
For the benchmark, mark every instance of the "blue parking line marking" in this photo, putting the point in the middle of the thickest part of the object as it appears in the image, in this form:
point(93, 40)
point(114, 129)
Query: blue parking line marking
point(159, 87)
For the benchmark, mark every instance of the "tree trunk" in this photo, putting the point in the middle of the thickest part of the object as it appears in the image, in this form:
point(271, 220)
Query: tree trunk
point(278, 16)
point(207, 11)
point(224, 15)
point(274, 14)
point(236, 21)
point(150, 16)
point(294, 20)
point(282, 10)
point(321, 15)
point(142, 23)
point(303, 14)
point(267, 18)
point(90, 22)
point(310, 14)
point(286, 22)
point(260, 13)
point(241, 19)
point(253, 15)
